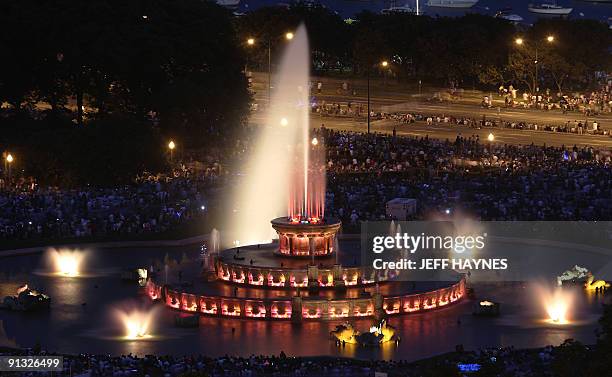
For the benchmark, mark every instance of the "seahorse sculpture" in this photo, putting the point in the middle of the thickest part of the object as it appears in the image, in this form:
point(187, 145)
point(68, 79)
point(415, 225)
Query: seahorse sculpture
point(345, 333)
point(590, 284)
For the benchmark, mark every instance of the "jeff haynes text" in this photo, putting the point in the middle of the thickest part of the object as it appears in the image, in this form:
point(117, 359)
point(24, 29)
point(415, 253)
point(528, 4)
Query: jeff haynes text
point(442, 264)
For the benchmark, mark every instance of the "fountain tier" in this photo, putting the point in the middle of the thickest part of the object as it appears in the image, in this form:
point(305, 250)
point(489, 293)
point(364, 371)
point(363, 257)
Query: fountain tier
point(306, 239)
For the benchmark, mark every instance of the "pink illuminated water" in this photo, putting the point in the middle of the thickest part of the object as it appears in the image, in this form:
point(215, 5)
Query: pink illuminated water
point(307, 188)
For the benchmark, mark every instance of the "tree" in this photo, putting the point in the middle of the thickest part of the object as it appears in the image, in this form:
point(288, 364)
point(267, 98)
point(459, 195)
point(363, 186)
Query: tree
point(521, 69)
point(601, 362)
point(570, 359)
point(560, 69)
point(113, 151)
point(369, 49)
point(583, 45)
point(269, 25)
point(144, 72)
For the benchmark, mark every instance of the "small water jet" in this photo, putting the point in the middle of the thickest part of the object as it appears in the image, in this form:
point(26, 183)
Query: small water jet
point(66, 262)
point(137, 323)
point(215, 241)
point(557, 303)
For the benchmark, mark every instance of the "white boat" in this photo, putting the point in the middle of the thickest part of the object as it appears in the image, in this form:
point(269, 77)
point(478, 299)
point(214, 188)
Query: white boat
point(451, 3)
point(546, 8)
point(398, 9)
point(231, 4)
point(515, 18)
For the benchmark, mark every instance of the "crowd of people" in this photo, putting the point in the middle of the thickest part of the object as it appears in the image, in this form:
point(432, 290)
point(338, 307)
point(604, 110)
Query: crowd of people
point(576, 126)
point(152, 204)
point(350, 109)
point(490, 181)
point(591, 103)
point(506, 361)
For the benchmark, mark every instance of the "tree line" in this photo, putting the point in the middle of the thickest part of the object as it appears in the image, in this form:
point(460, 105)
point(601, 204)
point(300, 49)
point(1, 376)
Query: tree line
point(473, 50)
point(91, 91)
point(99, 86)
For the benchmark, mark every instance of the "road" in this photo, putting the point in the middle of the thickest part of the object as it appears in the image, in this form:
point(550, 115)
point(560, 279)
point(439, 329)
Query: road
point(396, 99)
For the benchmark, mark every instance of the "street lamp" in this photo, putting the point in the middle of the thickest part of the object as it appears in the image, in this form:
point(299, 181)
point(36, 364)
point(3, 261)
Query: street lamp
point(250, 42)
point(315, 141)
point(519, 42)
point(384, 63)
point(288, 36)
point(8, 161)
point(171, 146)
point(491, 137)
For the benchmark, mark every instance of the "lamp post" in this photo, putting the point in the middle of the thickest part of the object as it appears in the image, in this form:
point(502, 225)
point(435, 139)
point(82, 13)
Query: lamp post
point(8, 161)
point(251, 41)
point(520, 42)
point(383, 64)
point(171, 146)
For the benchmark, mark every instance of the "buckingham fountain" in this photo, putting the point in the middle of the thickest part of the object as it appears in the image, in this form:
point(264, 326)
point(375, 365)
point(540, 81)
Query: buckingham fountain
point(285, 260)
point(310, 272)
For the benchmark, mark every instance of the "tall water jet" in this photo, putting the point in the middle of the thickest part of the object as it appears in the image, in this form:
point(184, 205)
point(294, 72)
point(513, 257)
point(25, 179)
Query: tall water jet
point(285, 176)
point(65, 262)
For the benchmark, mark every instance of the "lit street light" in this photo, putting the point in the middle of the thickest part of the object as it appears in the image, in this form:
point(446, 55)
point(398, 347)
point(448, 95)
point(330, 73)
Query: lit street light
point(384, 63)
point(7, 165)
point(171, 146)
point(315, 141)
point(491, 137)
point(520, 42)
point(251, 41)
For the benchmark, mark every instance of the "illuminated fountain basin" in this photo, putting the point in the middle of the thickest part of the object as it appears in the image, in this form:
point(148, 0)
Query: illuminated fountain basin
point(65, 262)
point(70, 328)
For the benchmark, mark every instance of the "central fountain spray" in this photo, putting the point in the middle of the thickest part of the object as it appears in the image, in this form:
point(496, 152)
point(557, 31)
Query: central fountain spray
point(304, 230)
point(285, 177)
